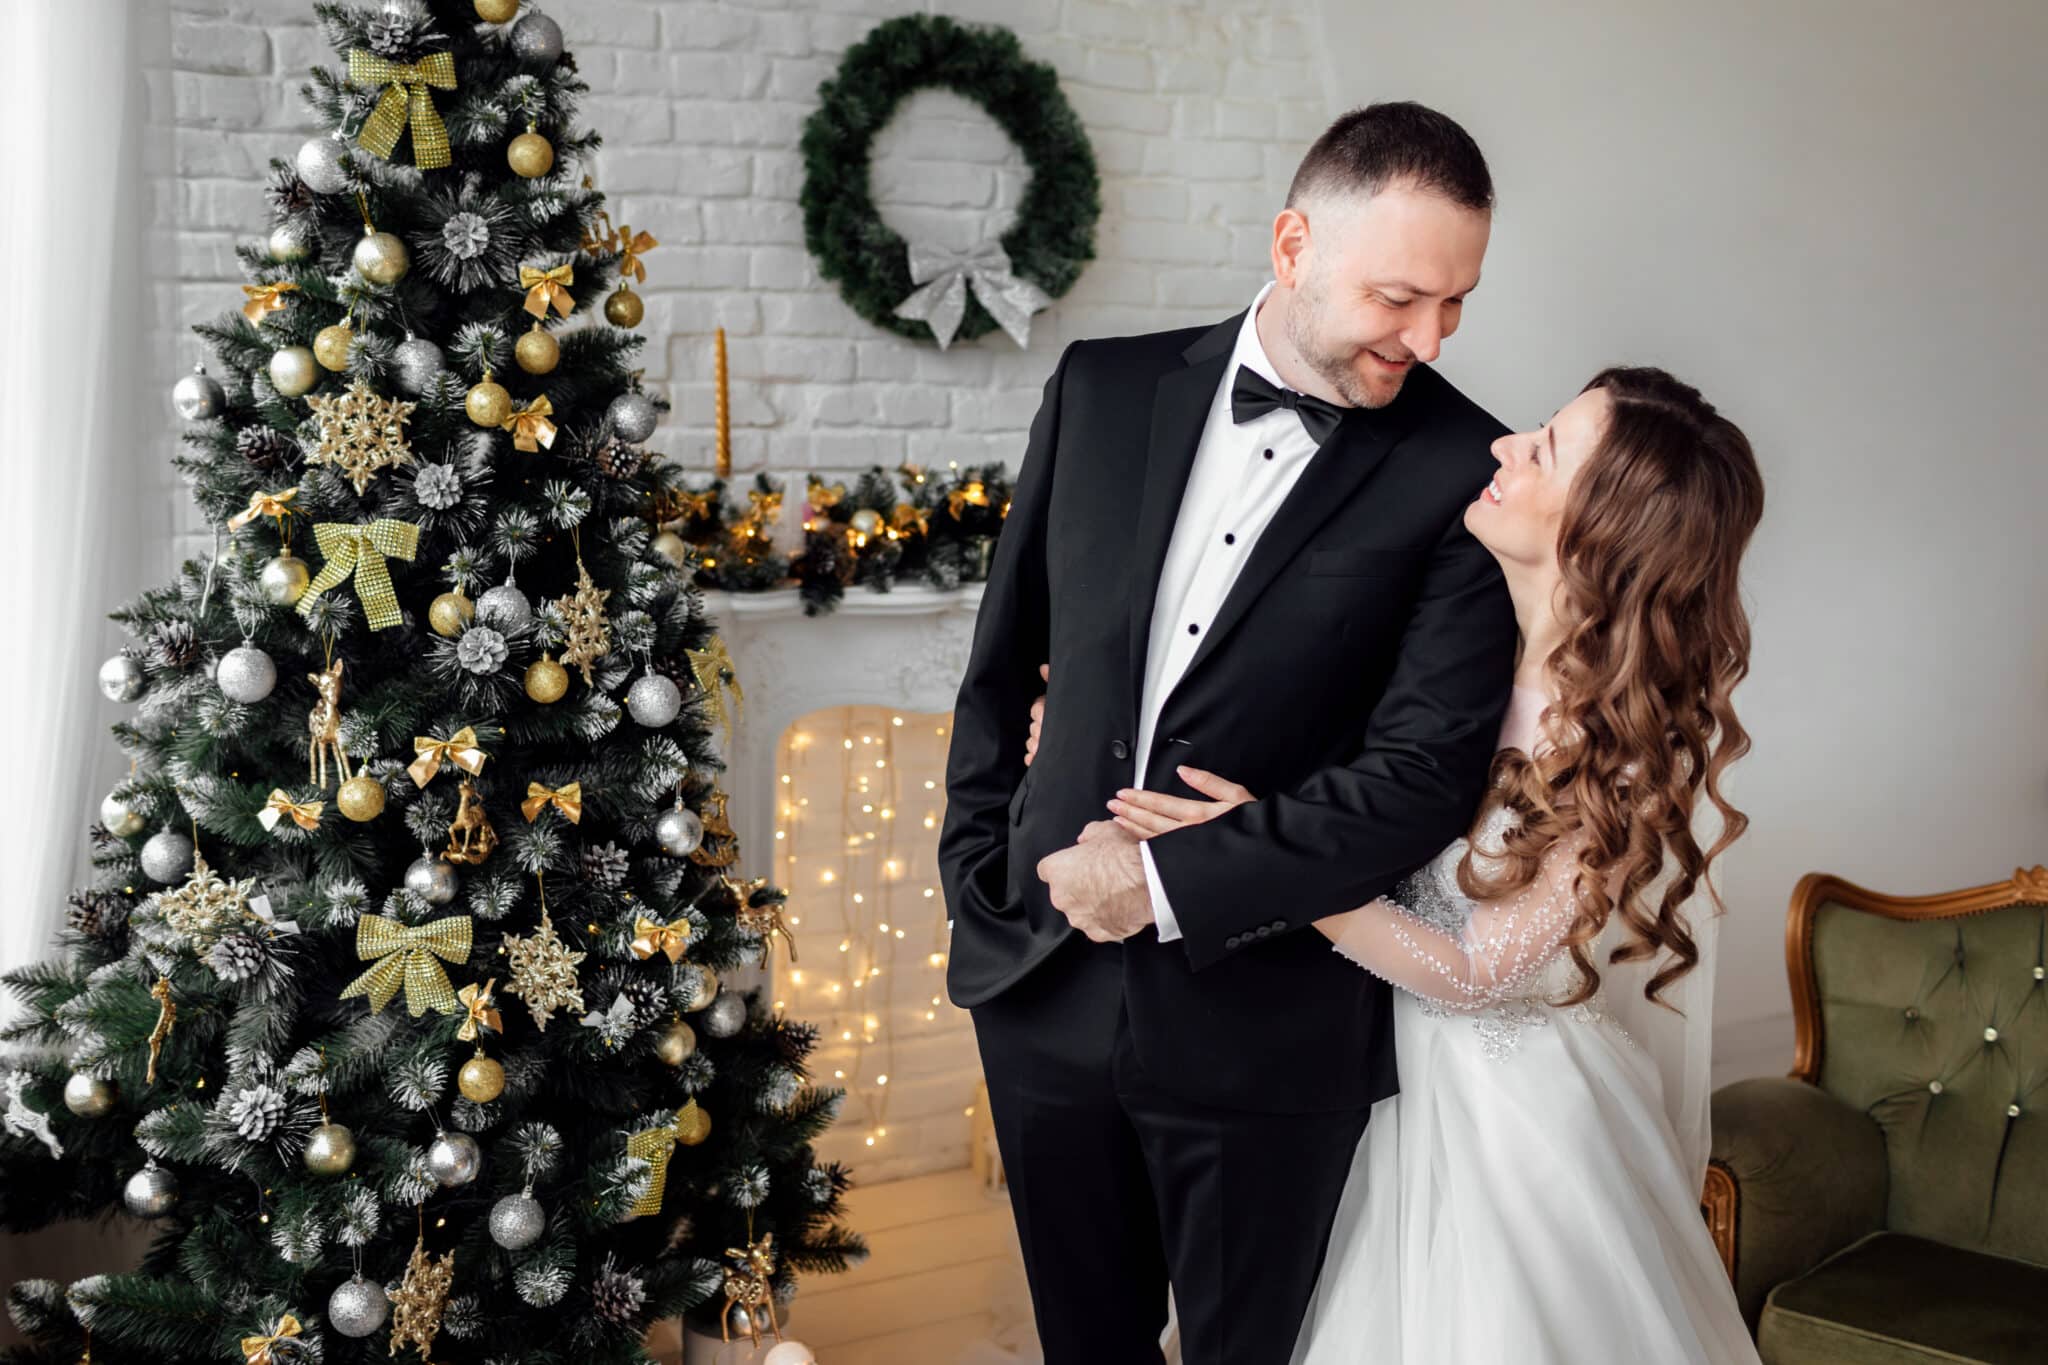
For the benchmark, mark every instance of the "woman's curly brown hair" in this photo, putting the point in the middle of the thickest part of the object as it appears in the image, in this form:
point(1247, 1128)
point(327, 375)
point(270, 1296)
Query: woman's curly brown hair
point(1655, 640)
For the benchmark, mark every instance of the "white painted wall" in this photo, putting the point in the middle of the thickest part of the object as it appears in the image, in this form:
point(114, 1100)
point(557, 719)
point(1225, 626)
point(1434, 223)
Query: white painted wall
point(1828, 216)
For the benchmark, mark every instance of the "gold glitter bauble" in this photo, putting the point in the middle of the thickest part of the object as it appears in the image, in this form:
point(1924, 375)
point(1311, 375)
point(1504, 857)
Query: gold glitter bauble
point(450, 612)
point(488, 404)
point(330, 1150)
point(624, 308)
point(537, 351)
point(381, 258)
point(705, 990)
point(285, 579)
point(361, 798)
point(530, 155)
point(672, 547)
point(496, 11)
point(546, 680)
point(330, 348)
point(677, 1044)
point(293, 371)
point(693, 1125)
point(481, 1079)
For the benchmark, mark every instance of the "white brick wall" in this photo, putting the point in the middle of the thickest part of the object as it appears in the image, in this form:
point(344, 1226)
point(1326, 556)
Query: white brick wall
point(1198, 115)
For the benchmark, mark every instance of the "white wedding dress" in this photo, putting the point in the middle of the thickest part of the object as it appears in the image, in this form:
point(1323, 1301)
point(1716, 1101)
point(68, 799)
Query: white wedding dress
point(1532, 1193)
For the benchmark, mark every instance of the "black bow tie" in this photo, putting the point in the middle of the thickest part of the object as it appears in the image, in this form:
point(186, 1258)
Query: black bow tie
point(1252, 396)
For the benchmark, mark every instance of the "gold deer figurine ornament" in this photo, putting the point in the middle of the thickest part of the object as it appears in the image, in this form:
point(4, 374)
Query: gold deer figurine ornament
point(323, 727)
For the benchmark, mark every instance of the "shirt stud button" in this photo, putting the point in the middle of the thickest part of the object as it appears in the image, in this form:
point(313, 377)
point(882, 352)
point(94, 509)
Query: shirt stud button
point(1269, 454)
point(1229, 538)
point(1193, 629)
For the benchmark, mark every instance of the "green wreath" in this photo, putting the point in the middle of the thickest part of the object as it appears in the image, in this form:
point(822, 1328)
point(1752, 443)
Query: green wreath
point(1054, 235)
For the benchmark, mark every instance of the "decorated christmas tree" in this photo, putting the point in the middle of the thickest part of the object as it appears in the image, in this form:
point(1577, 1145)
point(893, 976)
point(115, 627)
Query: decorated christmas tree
point(405, 996)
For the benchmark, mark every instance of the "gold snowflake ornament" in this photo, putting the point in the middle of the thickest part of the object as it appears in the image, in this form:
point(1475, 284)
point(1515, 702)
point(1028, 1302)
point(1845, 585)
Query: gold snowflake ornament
point(544, 973)
point(421, 1299)
point(590, 635)
point(206, 906)
point(713, 669)
point(361, 432)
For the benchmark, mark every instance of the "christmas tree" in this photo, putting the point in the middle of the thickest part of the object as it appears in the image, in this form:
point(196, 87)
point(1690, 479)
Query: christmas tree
point(404, 996)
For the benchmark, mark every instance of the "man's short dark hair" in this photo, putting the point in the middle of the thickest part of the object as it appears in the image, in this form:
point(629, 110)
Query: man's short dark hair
point(1382, 144)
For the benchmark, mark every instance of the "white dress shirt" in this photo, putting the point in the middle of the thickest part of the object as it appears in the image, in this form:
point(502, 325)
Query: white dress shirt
point(1240, 477)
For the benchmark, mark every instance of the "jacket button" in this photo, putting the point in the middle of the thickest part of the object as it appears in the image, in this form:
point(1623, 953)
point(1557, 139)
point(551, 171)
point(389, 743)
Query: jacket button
point(1279, 924)
point(1232, 941)
point(1119, 748)
point(1264, 931)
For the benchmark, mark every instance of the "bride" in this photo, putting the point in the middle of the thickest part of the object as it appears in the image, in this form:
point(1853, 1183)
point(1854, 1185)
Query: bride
point(1532, 1192)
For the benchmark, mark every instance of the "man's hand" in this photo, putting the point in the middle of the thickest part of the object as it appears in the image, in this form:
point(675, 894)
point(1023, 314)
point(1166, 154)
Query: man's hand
point(1037, 717)
point(1098, 883)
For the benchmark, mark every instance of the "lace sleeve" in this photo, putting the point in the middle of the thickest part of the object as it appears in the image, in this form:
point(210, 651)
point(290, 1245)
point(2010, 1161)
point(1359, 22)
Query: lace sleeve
point(1466, 954)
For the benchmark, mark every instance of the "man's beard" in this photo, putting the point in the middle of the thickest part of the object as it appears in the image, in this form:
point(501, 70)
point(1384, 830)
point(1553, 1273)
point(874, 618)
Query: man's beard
point(1307, 306)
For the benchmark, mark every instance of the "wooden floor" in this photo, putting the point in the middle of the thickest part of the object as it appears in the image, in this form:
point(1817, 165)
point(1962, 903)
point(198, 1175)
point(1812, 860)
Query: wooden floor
point(943, 1283)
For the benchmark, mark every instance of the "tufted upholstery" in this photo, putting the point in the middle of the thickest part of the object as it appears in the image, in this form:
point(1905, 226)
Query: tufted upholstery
point(1909, 1148)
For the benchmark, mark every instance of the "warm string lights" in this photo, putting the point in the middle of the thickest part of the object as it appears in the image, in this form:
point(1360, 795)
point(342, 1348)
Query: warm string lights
point(879, 877)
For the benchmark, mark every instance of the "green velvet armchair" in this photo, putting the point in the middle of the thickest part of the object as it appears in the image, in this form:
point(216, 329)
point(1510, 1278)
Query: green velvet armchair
point(1888, 1202)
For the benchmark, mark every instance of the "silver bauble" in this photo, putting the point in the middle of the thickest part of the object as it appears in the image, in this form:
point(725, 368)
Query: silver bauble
point(246, 674)
point(151, 1192)
point(454, 1159)
point(293, 371)
point(432, 880)
point(787, 1352)
point(119, 817)
point(537, 41)
point(739, 1320)
point(89, 1097)
point(414, 365)
point(198, 396)
point(504, 607)
point(676, 1044)
point(654, 701)
point(167, 856)
point(381, 258)
point(288, 243)
point(679, 831)
point(726, 1015)
point(284, 580)
point(121, 678)
point(319, 165)
point(517, 1221)
point(358, 1307)
point(673, 548)
point(633, 417)
point(330, 1150)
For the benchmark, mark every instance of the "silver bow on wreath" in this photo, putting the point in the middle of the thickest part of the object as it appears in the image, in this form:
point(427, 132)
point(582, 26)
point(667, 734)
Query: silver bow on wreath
point(944, 275)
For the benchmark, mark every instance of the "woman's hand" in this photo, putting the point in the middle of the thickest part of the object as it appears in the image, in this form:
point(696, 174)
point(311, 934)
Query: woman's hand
point(1037, 717)
point(1146, 813)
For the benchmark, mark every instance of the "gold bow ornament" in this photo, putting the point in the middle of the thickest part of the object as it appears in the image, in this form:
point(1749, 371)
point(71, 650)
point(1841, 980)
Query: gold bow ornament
point(459, 749)
point(478, 1001)
point(823, 497)
point(909, 519)
point(407, 98)
point(304, 814)
point(404, 956)
point(544, 287)
point(656, 1145)
point(631, 244)
point(567, 799)
point(651, 936)
point(531, 428)
point(359, 549)
point(263, 1350)
point(265, 299)
point(262, 504)
point(972, 494)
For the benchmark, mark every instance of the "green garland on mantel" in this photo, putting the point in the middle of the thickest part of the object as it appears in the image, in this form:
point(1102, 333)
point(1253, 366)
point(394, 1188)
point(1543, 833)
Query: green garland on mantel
point(1054, 234)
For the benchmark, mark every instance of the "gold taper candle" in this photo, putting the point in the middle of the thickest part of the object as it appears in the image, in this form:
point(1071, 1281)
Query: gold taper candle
point(722, 414)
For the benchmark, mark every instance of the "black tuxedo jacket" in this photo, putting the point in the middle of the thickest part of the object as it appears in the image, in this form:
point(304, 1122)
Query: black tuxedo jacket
point(1354, 680)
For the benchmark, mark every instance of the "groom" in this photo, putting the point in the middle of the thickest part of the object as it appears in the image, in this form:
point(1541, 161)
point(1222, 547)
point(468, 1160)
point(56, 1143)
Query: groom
point(1240, 548)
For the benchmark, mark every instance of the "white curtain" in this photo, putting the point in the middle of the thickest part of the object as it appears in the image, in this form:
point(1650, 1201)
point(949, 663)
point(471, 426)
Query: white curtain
point(75, 394)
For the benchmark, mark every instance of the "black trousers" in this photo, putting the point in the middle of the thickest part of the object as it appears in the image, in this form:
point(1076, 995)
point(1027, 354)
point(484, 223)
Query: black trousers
point(1118, 1187)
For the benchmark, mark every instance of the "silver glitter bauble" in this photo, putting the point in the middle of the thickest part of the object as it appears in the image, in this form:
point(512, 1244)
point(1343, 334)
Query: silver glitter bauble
point(654, 701)
point(167, 856)
point(454, 1159)
point(517, 1221)
point(246, 674)
point(284, 580)
point(330, 1150)
point(198, 396)
point(358, 1307)
point(414, 365)
point(381, 258)
point(432, 880)
point(726, 1015)
point(679, 831)
point(504, 607)
point(319, 165)
point(121, 678)
point(633, 417)
point(293, 371)
point(119, 817)
point(537, 41)
point(89, 1097)
point(151, 1192)
point(288, 243)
